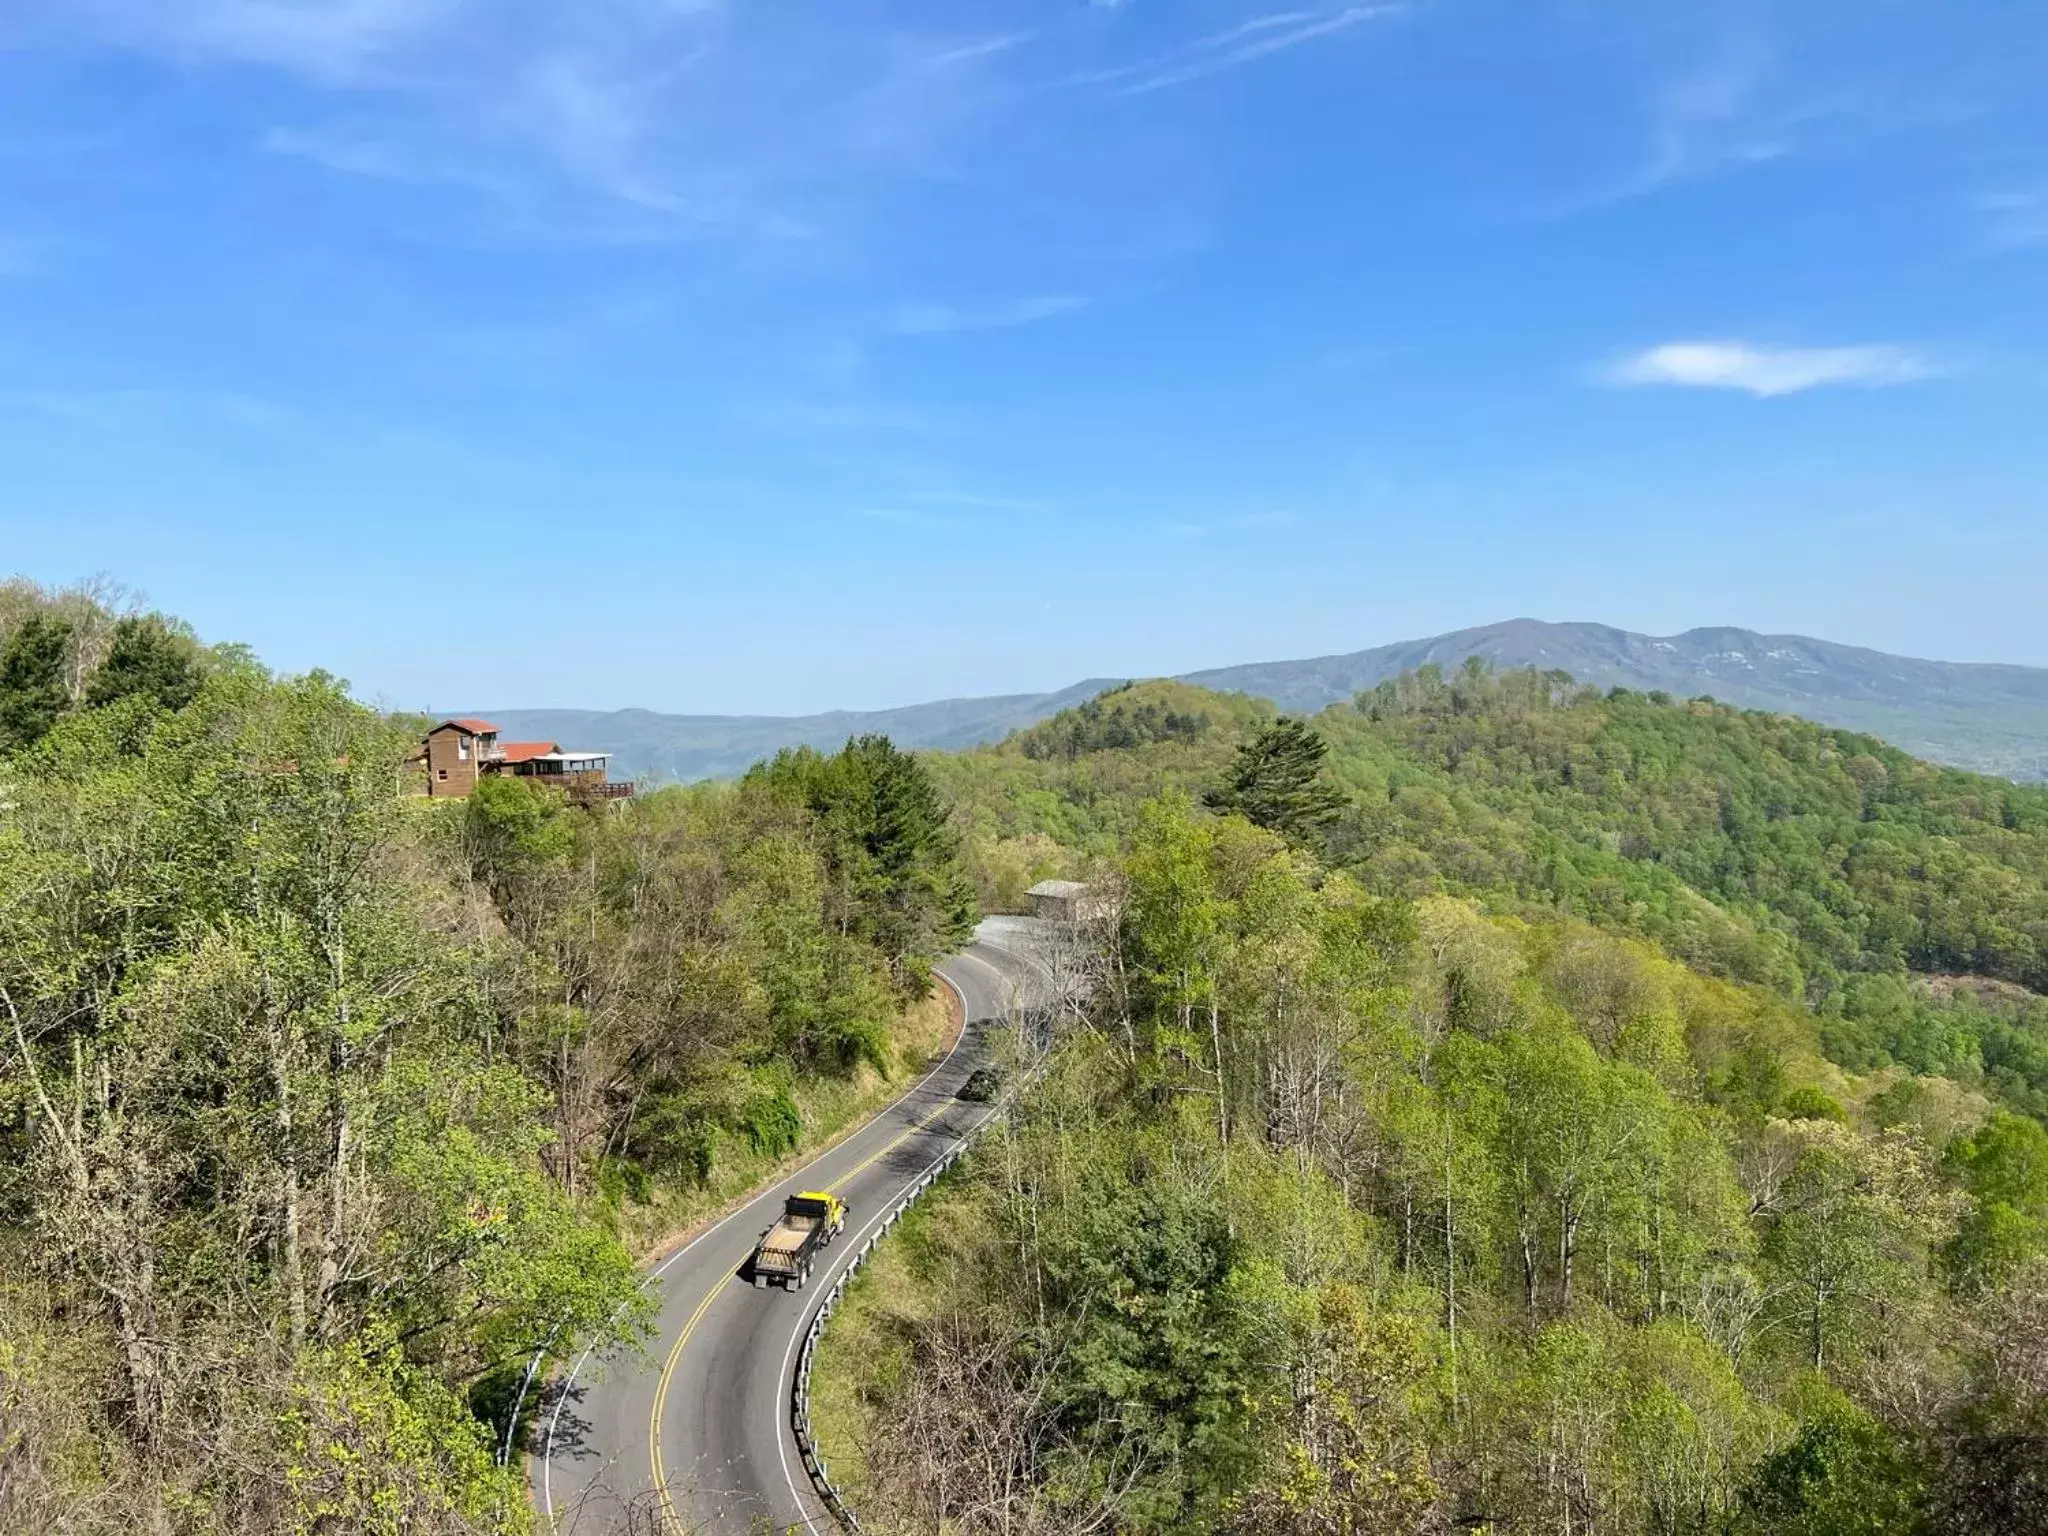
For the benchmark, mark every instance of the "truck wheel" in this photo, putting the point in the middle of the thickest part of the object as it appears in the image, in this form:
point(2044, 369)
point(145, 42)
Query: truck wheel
point(802, 1275)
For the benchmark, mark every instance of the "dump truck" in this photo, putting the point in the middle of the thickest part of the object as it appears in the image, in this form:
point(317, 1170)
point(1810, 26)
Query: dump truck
point(809, 1222)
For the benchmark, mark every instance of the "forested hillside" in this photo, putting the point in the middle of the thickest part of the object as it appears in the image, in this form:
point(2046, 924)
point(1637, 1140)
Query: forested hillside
point(1983, 716)
point(1821, 864)
point(1986, 717)
point(330, 1115)
point(1500, 1106)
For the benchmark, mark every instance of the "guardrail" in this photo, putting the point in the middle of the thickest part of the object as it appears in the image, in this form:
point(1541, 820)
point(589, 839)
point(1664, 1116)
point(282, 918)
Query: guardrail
point(829, 1493)
point(800, 1393)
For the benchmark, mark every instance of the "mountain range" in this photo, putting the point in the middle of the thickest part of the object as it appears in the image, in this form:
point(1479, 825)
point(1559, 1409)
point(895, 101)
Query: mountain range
point(1984, 716)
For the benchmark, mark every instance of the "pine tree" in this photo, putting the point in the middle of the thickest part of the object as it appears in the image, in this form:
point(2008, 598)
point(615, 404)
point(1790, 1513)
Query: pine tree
point(1276, 782)
point(32, 693)
point(147, 657)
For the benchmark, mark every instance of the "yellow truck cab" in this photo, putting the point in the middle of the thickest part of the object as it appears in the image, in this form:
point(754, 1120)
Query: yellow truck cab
point(810, 1221)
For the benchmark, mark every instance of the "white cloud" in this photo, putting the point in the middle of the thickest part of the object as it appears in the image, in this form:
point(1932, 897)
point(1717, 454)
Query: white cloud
point(943, 319)
point(621, 121)
point(1769, 371)
point(1256, 38)
point(2017, 219)
point(333, 40)
point(608, 119)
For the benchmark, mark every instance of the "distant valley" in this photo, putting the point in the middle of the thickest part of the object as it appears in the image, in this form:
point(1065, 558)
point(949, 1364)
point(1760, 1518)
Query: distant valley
point(1986, 717)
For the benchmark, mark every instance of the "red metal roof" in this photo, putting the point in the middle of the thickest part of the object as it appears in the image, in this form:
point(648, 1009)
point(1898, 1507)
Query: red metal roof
point(524, 751)
point(473, 726)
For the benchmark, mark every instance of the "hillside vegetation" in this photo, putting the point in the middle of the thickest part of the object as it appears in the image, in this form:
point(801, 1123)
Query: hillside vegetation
point(330, 1115)
point(1982, 716)
point(1989, 718)
point(1504, 1106)
point(1821, 864)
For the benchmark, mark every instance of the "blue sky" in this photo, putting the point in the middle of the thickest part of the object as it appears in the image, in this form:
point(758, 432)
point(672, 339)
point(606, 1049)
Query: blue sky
point(710, 355)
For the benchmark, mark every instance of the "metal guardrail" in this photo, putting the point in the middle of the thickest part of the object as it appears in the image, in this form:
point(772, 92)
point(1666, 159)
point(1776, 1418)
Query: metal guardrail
point(829, 1492)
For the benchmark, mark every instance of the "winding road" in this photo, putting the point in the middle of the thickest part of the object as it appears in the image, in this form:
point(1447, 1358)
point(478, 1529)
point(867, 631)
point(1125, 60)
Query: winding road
point(696, 1438)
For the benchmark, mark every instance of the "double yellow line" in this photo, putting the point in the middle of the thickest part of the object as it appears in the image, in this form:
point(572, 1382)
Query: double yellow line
point(668, 1369)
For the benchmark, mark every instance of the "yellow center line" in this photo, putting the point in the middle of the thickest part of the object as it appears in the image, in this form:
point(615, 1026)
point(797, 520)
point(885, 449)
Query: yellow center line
point(847, 1177)
point(668, 1369)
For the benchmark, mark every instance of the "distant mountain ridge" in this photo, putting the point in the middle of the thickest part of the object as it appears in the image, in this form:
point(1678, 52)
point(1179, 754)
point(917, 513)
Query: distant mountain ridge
point(1984, 716)
point(646, 744)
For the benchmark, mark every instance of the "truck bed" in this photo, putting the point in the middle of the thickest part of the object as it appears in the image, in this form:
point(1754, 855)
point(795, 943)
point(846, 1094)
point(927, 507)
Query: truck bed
point(788, 1236)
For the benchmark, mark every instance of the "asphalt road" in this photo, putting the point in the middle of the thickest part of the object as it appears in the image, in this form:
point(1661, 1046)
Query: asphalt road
point(696, 1439)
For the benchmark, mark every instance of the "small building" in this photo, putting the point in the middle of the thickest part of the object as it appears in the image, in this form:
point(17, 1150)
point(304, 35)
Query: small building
point(459, 752)
point(1063, 901)
point(455, 754)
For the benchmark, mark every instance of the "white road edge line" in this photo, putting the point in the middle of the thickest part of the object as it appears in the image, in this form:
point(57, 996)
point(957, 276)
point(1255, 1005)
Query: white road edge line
point(547, 1462)
point(783, 1434)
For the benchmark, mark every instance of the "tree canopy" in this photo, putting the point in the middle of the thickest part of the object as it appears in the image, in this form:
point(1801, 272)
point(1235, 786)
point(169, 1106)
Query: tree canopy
point(1276, 782)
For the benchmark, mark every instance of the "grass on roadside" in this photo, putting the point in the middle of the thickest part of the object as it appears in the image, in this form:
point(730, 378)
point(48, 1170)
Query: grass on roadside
point(829, 1108)
point(866, 1343)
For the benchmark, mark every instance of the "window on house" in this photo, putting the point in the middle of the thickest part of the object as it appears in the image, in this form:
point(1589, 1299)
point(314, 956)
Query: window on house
point(444, 773)
point(462, 748)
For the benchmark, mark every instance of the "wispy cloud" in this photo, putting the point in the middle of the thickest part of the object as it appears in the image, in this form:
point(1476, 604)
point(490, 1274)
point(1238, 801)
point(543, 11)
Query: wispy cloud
point(134, 410)
point(333, 40)
point(2015, 219)
point(1256, 38)
point(691, 117)
point(943, 319)
point(1722, 111)
point(1769, 371)
point(1707, 116)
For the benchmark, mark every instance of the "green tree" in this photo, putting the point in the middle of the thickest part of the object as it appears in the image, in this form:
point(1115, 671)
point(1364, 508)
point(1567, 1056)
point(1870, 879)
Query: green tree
point(1355, 1458)
point(1845, 1474)
point(147, 659)
point(1848, 1231)
point(892, 854)
point(1174, 924)
point(2004, 1167)
point(32, 691)
point(1276, 782)
point(1158, 1358)
point(262, 1119)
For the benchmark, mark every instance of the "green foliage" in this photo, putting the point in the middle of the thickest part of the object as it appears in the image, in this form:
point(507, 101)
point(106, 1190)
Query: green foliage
point(322, 1104)
point(1132, 715)
point(514, 831)
point(1352, 1212)
point(1848, 1231)
point(372, 1445)
point(148, 659)
point(308, 1167)
point(1158, 1351)
point(771, 1123)
point(32, 688)
point(1807, 1102)
point(2004, 1167)
point(892, 856)
point(1844, 1474)
point(1822, 865)
point(1277, 783)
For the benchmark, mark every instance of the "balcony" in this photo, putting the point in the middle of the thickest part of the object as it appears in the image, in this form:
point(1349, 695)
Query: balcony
point(588, 790)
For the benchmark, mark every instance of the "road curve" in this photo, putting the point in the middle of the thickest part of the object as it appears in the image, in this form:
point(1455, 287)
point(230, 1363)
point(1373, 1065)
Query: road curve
point(696, 1438)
